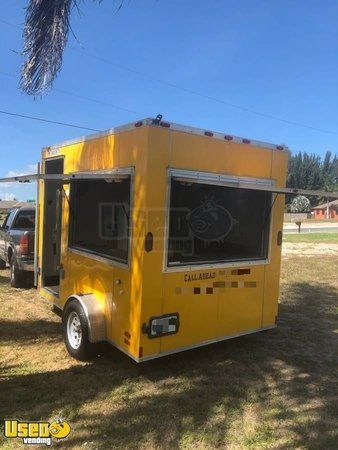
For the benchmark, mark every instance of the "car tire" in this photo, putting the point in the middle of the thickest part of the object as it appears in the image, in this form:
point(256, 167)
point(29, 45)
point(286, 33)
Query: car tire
point(2, 264)
point(18, 278)
point(76, 332)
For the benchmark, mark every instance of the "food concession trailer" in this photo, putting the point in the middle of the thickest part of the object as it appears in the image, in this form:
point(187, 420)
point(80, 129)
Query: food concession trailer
point(158, 237)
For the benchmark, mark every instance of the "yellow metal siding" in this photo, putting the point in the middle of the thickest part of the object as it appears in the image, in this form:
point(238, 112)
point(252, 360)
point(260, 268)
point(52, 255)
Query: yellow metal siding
point(84, 274)
point(240, 305)
point(202, 153)
point(237, 302)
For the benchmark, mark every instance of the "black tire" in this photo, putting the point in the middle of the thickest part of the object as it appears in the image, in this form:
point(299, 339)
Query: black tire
point(18, 277)
point(29, 279)
point(74, 318)
point(2, 264)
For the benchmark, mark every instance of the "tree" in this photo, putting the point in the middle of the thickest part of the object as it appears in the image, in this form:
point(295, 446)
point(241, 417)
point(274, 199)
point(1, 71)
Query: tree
point(329, 172)
point(306, 171)
point(300, 204)
point(45, 34)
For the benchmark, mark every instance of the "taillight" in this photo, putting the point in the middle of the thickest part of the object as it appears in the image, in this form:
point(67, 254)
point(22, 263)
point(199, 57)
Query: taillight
point(23, 245)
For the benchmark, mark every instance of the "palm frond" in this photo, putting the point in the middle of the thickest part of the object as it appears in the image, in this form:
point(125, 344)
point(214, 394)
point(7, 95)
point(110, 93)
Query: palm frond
point(45, 36)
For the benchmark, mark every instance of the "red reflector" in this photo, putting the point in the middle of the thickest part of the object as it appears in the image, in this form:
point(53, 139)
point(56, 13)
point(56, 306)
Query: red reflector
point(228, 138)
point(246, 141)
point(23, 244)
point(140, 352)
point(139, 124)
point(208, 133)
point(165, 124)
point(279, 147)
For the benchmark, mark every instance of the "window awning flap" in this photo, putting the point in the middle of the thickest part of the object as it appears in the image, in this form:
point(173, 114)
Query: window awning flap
point(90, 175)
point(240, 183)
point(260, 187)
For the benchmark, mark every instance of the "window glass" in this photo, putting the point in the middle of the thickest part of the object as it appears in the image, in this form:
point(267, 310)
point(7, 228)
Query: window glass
point(100, 214)
point(210, 224)
point(25, 220)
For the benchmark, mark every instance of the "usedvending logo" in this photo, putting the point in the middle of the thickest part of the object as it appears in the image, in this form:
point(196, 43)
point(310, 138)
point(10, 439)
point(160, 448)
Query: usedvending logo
point(33, 433)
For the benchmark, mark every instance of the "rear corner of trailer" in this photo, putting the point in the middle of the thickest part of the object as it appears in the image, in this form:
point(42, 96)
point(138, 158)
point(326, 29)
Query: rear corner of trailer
point(214, 271)
point(272, 270)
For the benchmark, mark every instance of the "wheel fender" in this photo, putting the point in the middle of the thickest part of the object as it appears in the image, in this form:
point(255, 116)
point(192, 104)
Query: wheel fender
point(95, 316)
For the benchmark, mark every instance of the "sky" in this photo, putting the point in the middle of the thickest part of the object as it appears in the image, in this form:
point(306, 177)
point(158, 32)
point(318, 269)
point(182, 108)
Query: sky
point(232, 66)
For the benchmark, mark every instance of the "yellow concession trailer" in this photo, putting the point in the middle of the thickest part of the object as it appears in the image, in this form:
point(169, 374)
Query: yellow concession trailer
point(158, 237)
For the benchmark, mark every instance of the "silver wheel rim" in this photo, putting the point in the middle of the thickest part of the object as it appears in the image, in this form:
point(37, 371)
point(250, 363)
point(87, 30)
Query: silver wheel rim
point(74, 330)
point(12, 272)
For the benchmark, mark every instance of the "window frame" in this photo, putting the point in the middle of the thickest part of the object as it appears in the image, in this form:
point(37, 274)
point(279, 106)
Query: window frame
point(4, 223)
point(216, 179)
point(8, 222)
point(111, 174)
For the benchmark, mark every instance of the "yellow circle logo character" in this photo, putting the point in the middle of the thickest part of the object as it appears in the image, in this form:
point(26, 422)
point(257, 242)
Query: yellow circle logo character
point(59, 429)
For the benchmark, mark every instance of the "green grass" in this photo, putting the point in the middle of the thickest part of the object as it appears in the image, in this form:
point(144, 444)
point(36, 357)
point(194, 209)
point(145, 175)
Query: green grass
point(269, 390)
point(328, 238)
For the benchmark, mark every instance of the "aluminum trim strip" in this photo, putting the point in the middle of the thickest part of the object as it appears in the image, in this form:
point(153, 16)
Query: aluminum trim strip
point(218, 177)
point(217, 266)
point(173, 126)
point(203, 344)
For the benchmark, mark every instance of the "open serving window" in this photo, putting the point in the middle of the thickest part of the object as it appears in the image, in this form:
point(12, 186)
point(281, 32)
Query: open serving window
point(211, 223)
point(100, 217)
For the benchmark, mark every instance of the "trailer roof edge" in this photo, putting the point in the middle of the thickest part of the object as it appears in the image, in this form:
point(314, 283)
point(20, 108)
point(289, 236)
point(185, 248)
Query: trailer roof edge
point(172, 126)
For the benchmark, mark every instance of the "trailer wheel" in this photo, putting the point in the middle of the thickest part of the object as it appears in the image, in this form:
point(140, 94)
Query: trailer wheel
point(76, 332)
point(18, 277)
point(2, 264)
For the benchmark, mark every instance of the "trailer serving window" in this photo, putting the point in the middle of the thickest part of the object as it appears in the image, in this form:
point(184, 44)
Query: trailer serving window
point(210, 223)
point(100, 212)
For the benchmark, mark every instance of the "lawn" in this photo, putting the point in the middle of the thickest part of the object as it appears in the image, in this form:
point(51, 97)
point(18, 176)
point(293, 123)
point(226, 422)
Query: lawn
point(276, 389)
point(327, 238)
